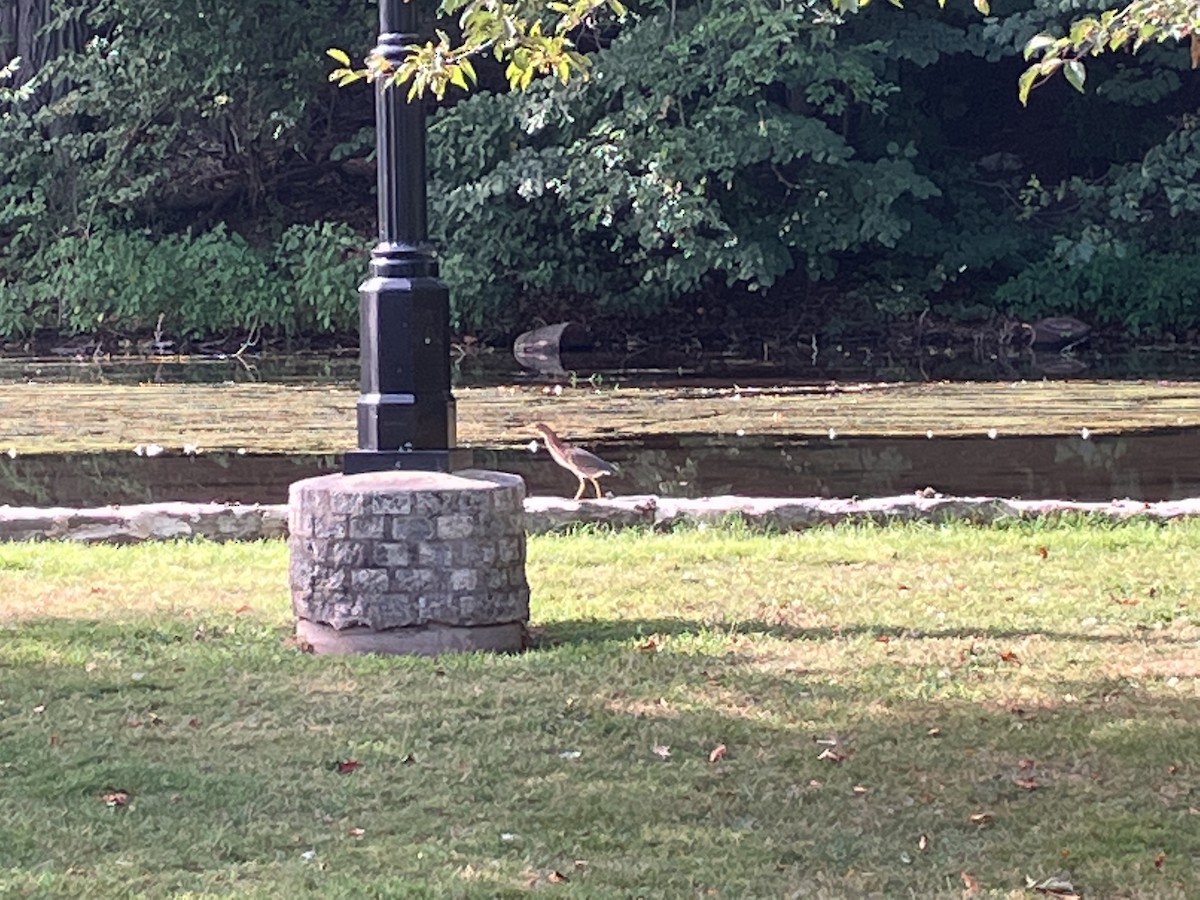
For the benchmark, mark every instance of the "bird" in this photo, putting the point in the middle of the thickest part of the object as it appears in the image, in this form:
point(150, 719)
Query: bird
point(585, 466)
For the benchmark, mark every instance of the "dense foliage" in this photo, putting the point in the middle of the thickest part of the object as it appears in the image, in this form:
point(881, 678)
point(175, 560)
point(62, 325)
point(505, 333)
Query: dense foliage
point(191, 160)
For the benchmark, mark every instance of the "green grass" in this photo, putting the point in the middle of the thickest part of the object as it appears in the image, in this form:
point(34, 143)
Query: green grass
point(898, 706)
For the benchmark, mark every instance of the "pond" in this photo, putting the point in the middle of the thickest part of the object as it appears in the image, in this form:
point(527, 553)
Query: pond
point(82, 433)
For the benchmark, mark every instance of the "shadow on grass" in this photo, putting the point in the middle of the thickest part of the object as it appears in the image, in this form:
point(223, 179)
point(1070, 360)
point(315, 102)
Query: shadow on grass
point(598, 631)
point(481, 777)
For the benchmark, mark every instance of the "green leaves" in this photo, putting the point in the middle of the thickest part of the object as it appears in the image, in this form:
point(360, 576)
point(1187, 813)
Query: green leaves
point(518, 32)
point(343, 75)
point(1075, 73)
point(1133, 26)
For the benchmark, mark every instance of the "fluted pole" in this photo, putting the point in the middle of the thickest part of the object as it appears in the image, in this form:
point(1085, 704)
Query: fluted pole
point(405, 408)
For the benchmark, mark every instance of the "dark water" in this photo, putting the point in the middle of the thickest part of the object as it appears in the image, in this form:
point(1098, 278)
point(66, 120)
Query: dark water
point(638, 368)
point(1150, 466)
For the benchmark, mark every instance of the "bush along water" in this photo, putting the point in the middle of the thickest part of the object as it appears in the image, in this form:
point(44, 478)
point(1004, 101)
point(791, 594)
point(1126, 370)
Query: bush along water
point(720, 152)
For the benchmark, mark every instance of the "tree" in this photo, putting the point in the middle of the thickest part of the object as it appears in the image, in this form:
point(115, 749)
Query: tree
point(1130, 27)
point(538, 37)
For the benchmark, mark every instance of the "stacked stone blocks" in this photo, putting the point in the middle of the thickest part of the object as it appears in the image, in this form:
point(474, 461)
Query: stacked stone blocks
point(405, 550)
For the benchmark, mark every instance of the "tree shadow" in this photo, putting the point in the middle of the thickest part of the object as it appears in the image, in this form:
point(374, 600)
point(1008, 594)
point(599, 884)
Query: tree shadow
point(599, 631)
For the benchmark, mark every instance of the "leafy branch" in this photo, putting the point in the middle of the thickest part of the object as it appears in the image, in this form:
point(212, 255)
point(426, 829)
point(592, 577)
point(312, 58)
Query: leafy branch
point(1132, 27)
point(532, 36)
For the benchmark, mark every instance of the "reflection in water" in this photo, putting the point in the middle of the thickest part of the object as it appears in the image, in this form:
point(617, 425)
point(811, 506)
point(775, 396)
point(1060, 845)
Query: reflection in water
point(1149, 466)
point(638, 368)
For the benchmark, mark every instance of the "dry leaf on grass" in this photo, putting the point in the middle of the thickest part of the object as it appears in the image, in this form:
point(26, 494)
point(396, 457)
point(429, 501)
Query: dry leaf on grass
point(298, 643)
point(1055, 886)
point(1010, 656)
point(115, 798)
point(557, 877)
point(970, 884)
point(980, 818)
point(346, 766)
point(718, 752)
point(661, 750)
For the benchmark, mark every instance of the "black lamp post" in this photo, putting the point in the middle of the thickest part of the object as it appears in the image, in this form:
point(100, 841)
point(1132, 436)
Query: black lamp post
point(405, 408)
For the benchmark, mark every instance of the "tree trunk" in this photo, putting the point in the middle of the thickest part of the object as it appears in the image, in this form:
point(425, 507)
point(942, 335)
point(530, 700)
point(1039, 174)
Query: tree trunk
point(24, 33)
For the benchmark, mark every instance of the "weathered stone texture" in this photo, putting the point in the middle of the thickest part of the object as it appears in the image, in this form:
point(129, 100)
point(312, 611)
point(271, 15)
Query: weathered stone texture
point(144, 522)
point(220, 522)
point(392, 550)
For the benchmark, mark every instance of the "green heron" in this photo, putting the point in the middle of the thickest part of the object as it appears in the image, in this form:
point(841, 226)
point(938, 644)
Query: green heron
point(585, 466)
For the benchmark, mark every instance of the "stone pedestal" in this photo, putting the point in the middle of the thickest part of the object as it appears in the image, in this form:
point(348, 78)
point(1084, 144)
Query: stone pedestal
point(409, 562)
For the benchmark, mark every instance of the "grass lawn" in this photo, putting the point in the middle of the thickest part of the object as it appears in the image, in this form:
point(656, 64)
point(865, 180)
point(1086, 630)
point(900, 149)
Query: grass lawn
point(904, 711)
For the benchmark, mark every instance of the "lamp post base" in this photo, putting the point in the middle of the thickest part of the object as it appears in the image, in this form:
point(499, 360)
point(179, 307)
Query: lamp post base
point(356, 462)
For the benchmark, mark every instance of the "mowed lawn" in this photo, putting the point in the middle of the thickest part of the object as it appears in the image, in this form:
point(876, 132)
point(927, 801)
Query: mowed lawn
point(899, 711)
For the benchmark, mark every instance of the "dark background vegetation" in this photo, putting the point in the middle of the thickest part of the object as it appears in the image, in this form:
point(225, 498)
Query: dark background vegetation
point(186, 166)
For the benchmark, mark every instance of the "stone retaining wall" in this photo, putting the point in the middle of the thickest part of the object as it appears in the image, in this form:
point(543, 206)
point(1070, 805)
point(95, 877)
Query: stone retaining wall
point(219, 522)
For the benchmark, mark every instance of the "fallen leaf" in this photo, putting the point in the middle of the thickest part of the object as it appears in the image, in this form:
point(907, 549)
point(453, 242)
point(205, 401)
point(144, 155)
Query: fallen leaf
point(408, 760)
point(299, 643)
point(1010, 656)
point(718, 752)
point(1043, 552)
point(651, 644)
point(1125, 601)
point(970, 884)
point(860, 789)
point(40, 708)
point(980, 818)
point(357, 832)
point(346, 766)
point(661, 750)
point(244, 608)
point(833, 754)
point(1029, 784)
point(580, 864)
point(557, 877)
point(883, 638)
point(115, 798)
point(1159, 858)
point(1173, 769)
point(923, 842)
point(1025, 763)
point(1055, 886)
point(193, 722)
point(934, 732)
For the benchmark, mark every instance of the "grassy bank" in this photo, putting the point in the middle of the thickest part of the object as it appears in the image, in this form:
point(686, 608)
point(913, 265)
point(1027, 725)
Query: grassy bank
point(900, 711)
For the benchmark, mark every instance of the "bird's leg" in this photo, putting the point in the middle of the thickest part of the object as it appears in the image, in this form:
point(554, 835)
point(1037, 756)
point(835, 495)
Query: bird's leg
point(596, 485)
point(579, 493)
